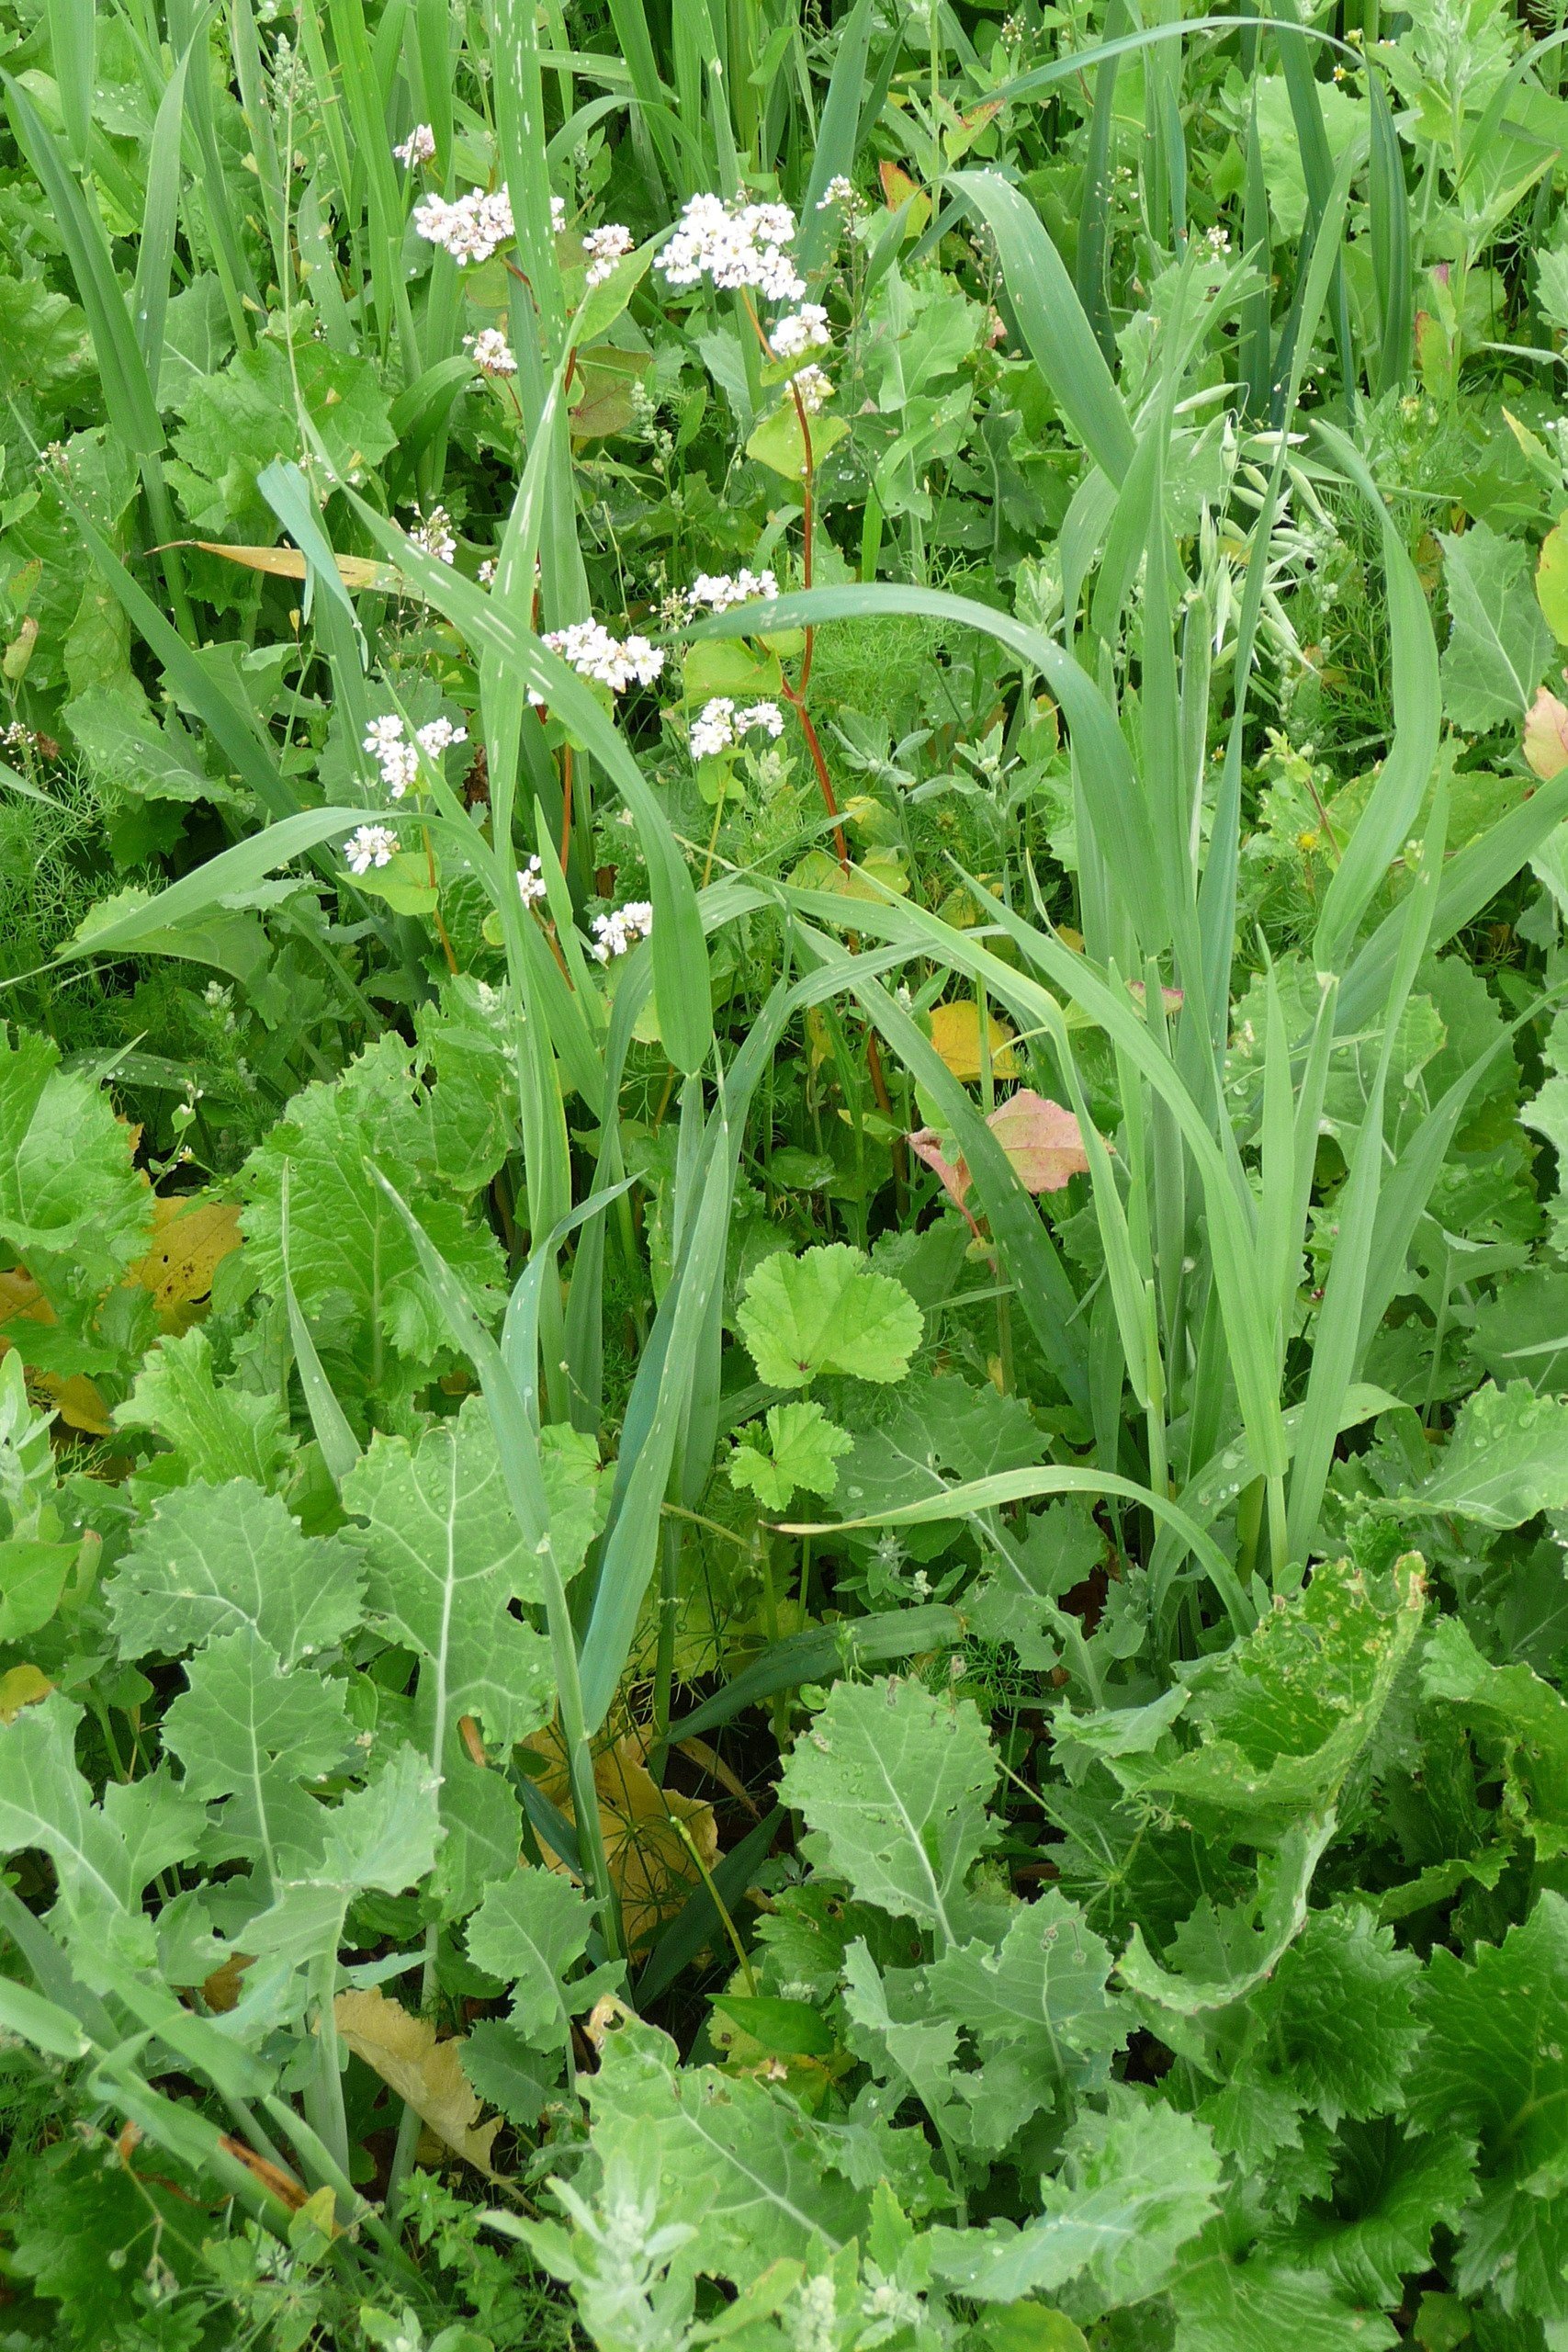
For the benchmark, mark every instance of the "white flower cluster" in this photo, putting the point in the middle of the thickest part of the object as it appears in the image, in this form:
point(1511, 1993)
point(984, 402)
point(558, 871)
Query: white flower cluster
point(741, 245)
point(720, 589)
point(419, 147)
point(838, 190)
point(611, 662)
point(493, 355)
point(799, 331)
point(530, 882)
point(476, 225)
point(487, 572)
point(613, 933)
point(605, 248)
point(370, 845)
point(397, 759)
point(813, 386)
point(433, 533)
point(718, 725)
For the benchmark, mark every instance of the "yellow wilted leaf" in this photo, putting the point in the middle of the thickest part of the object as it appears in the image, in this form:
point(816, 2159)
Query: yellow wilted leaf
point(649, 1858)
point(189, 1237)
point(955, 1033)
point(75, 1398)
point(24, 1686)
point(426, 2072)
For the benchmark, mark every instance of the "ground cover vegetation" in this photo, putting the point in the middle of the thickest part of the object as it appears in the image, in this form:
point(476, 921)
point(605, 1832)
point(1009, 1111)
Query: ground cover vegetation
point(784, 1412)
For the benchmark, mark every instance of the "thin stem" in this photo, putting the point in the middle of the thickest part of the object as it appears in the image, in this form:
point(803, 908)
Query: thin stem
point(435, 910)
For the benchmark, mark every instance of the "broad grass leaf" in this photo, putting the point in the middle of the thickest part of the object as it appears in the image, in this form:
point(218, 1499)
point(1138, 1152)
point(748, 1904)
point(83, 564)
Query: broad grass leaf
point(217, 1433)
point(1137, 2184)
point(530, 1931)
point(210, 1560)
point(827, 1311)
point(893, 1781)
point(445, 1559)
point(1499, 643)
point(1507, 1460)
point(67, 1185)
point(426, 2073)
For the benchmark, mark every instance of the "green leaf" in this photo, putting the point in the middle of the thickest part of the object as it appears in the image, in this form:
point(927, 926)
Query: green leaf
point(803, 1446)
point(247, 1730)
point(893, 1781)
point(1507, 1460)
point(778, 441)
point(239, 420)
point(826, 1311)
point(67, 1185)
point(211, 1560)
point(891, 2027)
point(383, 1837)
point(445, 1560)
point(529, 1931)
point(749, 2167)
point(1391, 2195)
point(345, 1236)
point(104, 1855)
point(1522, 1722)
point(1136, 2184)
point(1499, 643)
point(1281, 1715)
point(1043, 1994)
point(215, 1433)
point(1493, 2066)
point(1227, 1953)
point(1338, 2013)
point(1261, 2305)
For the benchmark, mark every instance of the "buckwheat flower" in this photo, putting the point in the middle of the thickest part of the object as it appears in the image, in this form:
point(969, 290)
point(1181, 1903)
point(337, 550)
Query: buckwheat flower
point(799, 331)
point(605, 248)
point(720, 589)
point(734, 245)
point(530, 883)
point(470, 229)
point(493, 355)
point(838, 190)
point(370, 845)
point(433, 533)
point(439, 736)
point(610, 661)
point(418, 147)
point(487, 572)
point(382, 733)
point(765, 716)
point(813, 387)
point(400, 768)
point(713, 729)
point(620, 930)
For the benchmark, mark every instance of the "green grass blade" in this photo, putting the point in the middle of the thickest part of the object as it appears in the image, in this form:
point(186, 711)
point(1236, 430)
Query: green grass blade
point(1393, 273)
point(72, 43)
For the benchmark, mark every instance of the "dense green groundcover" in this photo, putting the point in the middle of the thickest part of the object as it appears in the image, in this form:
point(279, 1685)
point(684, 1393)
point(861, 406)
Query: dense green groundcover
point(784, 1305)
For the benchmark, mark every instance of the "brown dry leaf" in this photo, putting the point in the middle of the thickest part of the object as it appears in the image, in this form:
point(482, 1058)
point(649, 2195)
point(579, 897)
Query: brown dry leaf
point(955, 1033)
point(283, 2186)
point(1546, 735)
point(426, 2072)
point(288, 563)
point(222, 1990)
point(22, 1686)
point(189, 1237)
point(75, 1398)
point(1043, 1141)
point(649, 1860)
